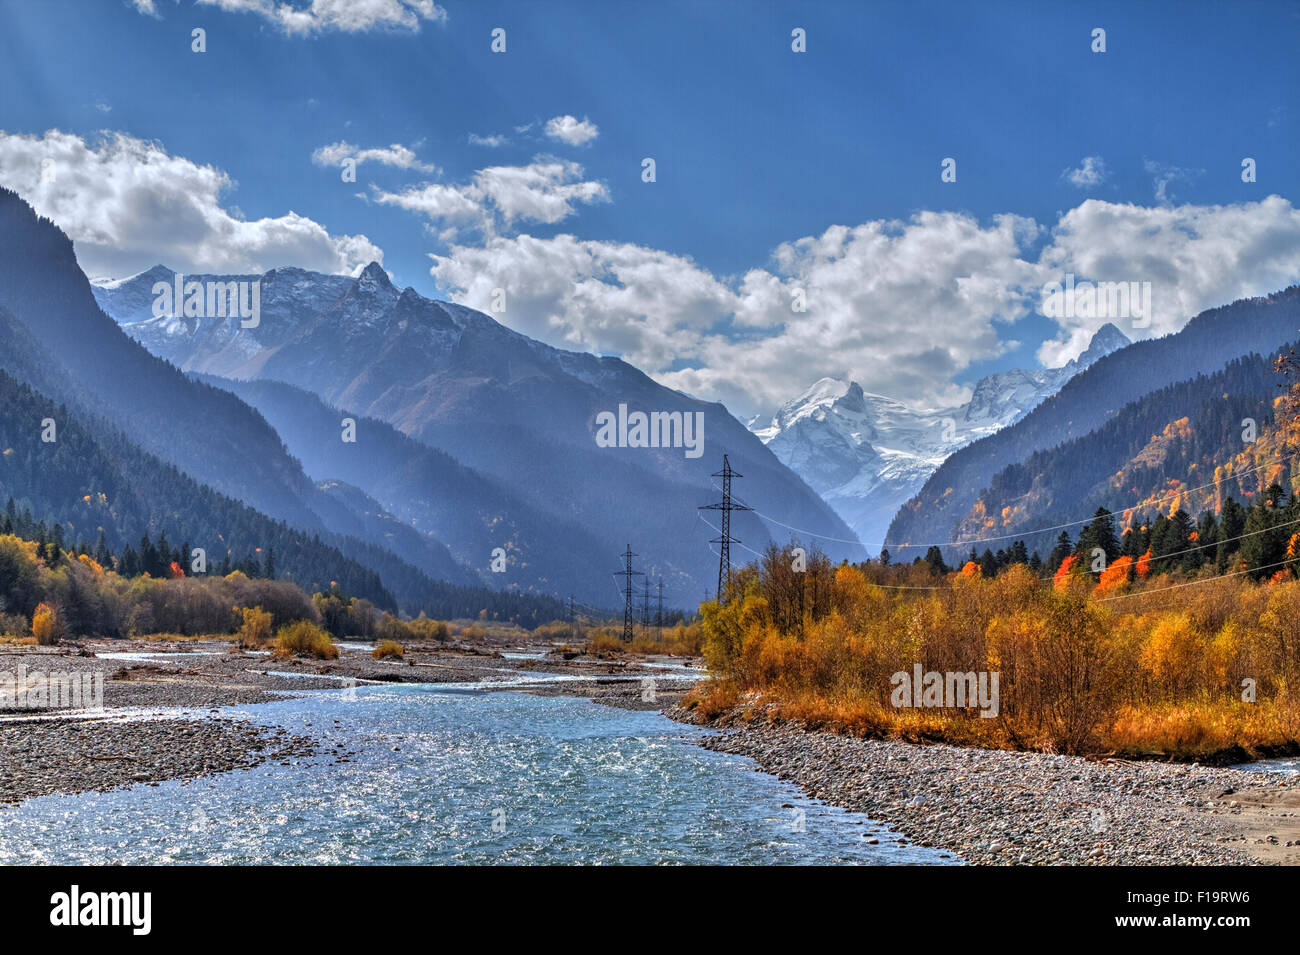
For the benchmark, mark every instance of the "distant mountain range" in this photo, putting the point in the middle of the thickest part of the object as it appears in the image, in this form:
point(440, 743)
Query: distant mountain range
point(473, 441)
point(867, 454)
point(476, 435)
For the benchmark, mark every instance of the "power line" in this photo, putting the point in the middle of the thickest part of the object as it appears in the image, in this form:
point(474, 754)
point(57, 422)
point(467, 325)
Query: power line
point(1189, 583)
point(1136, 593)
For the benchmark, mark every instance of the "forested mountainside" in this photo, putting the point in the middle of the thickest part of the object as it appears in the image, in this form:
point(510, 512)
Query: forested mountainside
point(1088, 401)
point(157, 452)
point(58, 340)
point(89, 482)
point(92, 487)
point(471, 512)
point(1187, 446)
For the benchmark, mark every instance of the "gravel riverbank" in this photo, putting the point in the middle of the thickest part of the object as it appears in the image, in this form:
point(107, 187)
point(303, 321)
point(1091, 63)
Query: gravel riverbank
point(1001, 808)
point(46, 756)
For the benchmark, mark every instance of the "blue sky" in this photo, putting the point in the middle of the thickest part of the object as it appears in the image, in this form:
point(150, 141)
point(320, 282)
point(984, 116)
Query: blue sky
point(756, 148)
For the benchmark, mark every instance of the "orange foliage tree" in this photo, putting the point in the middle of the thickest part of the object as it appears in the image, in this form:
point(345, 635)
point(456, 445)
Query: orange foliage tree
point(1116, 576)
point(1062, 575)
point(1144, 565)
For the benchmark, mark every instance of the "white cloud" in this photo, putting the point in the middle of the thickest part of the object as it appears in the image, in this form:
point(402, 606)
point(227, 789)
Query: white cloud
point(894, 305)
point(642, 303)
point(568, 129)
point(545, 191)
point(901, 307)
point(395, 155)
point(348, 16)
point(1091, 172)
point(492, 142)
point(146, 7)
point(128, 204)
point(1195, 257)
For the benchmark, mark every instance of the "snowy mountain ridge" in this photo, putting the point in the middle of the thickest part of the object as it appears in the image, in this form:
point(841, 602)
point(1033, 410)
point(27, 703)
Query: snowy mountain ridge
point(866, 454)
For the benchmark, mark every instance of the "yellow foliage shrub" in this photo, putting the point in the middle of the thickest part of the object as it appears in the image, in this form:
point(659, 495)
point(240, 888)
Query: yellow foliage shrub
point(255, 631)
point(303, 639)
point(47, 625)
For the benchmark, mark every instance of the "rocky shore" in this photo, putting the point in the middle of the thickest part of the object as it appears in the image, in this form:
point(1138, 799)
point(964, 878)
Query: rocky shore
point(992, 807)
point(46, 756)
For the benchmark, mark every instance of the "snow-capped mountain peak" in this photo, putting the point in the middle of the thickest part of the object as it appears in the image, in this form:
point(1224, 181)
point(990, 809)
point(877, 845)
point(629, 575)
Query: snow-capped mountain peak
point(866, 454)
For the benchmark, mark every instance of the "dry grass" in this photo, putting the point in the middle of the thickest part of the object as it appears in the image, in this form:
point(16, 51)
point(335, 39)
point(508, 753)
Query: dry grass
point(303, 639)
point(387, 648)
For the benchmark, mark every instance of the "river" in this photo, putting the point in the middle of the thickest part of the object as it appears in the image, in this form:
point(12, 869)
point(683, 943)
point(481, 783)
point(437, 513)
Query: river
point(454, 774)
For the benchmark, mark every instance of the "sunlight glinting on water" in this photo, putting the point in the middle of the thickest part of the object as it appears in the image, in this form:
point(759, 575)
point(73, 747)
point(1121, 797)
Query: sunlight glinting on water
point(440, 776)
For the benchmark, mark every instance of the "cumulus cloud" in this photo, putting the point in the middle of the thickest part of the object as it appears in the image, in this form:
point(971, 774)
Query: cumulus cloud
point(1195, 257)
point(644, 304)
point(903, 307)
point(128, 204)
point(146, 7)
point(1090, 172)
point(395, 155)
point(493, 141)
point(348, 16)
point(568, 129)
point(900, 306)
point(545, 191)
